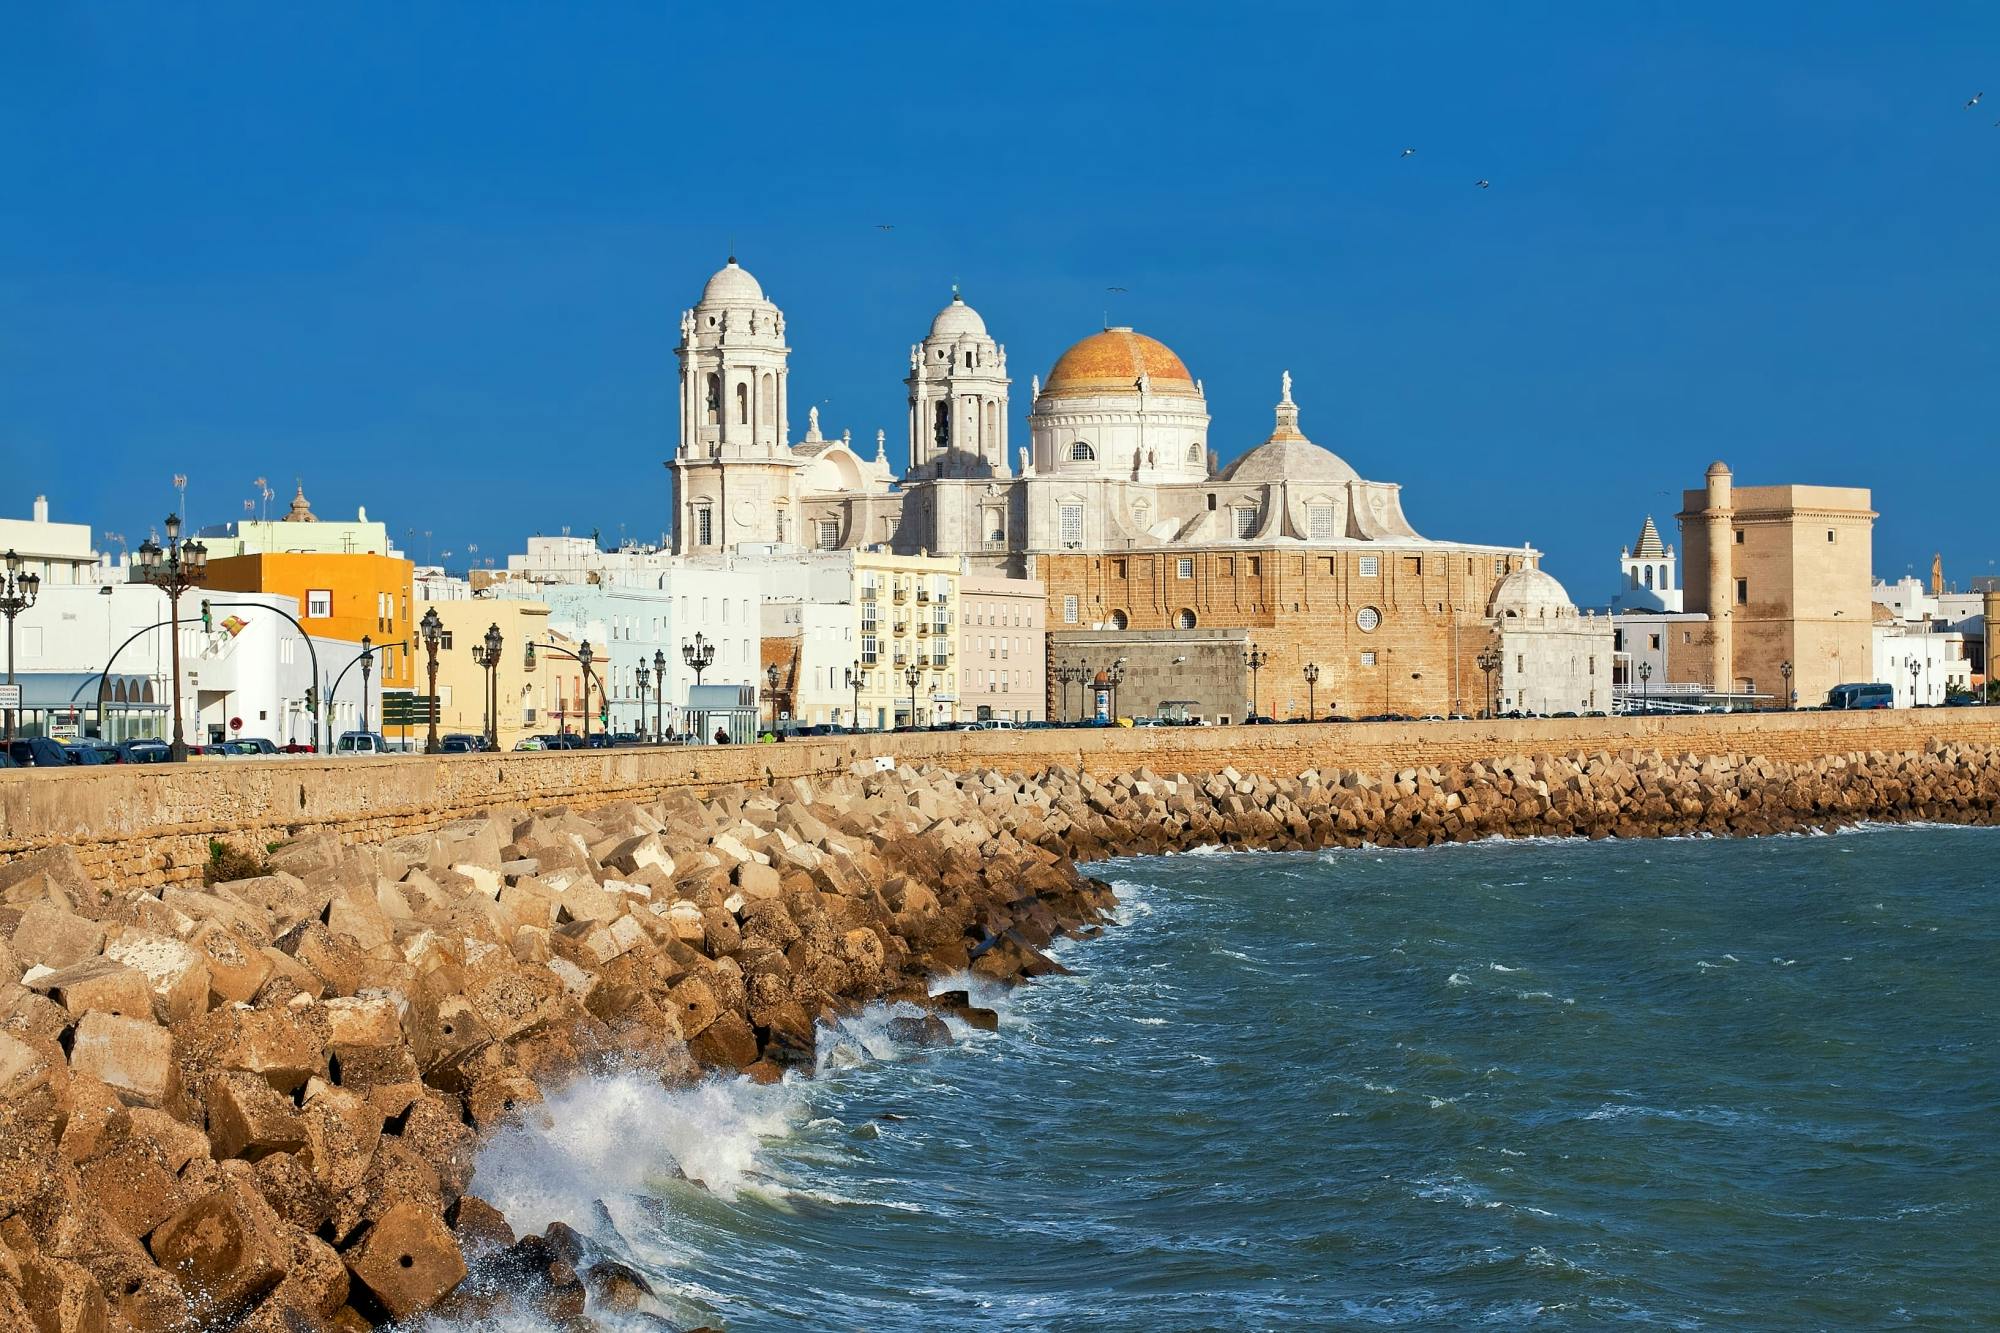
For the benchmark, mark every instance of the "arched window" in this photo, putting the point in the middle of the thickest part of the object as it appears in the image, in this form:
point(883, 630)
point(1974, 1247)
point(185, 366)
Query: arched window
point(713, 400)
point(1184, 619)
point(968, 360)
point(767, 405)
point(941, 430)
point(742, 403)
point(1194, 452)
point(1081, 452)
point(1119, 620)
point(1649, 576)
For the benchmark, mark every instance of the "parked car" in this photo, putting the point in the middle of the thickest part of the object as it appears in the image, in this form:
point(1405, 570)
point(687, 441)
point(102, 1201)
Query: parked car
point(299, 747)
point(37, 752)
point(250, 745)
point(82, 754)
point(565, 741)
point(529, 743)
point(143, 752)
point(457, 745)
point(7, 760)
point(360, 743)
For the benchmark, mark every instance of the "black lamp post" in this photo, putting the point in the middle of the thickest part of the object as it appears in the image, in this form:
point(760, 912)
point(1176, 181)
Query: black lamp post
point(1785, 670)
point(367, 664)
point(584, 657)
point(432, 628)
point(698, 655)
point(1645, 687)
point(1312, 679)
point(1064, 675)
point(854, 679)
point(910, 678)
point(17, 594)
point(486, 656)
point(1489, 662)
point(659, 693)
point(639, 675)
point(1114, 676)
point(180, 566)
point(1915, 668)
point(1255, 660)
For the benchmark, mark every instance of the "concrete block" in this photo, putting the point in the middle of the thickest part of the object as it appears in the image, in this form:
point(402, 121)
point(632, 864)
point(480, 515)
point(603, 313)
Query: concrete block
point(247, 1119)
point(237, 969)
point(54, 937)
point(176, 971)
point(757, 881)
point(407, 1261)
point(224, 1248)
point(100, 984)
point(133, 1057)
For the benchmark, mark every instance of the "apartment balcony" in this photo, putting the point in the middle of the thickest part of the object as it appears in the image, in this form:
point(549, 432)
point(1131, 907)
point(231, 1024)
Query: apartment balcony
point(924, 627)
point(923, 594)
point(901, 595)
point(902, 628)
point(868, 591)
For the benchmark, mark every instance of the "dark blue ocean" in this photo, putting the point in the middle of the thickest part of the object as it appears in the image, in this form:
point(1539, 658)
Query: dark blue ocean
point(1682, 1084)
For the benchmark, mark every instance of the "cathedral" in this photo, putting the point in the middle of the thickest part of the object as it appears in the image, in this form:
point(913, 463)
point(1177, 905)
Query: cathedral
point(1116, 502)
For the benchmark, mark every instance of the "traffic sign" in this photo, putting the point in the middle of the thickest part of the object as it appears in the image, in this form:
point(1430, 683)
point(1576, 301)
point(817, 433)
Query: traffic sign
point(10, 696)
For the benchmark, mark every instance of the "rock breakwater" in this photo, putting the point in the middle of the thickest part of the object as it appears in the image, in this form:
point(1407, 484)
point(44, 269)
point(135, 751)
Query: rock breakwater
point(255, 1105)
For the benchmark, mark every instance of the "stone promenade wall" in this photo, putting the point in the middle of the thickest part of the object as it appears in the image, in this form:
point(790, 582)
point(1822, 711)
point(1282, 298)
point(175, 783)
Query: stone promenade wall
point(151, 824)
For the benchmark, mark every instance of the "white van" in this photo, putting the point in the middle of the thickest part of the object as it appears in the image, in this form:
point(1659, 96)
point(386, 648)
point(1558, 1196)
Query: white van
point(361, 742)
point(994, 724)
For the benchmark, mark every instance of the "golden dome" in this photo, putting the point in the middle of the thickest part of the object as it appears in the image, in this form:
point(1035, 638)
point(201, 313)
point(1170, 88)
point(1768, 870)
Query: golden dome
point(1113, 361)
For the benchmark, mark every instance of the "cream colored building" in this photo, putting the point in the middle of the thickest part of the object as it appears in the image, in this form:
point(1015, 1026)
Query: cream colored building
point(299, 531)
point(526, 696)
point(906, 608)
point(1783, 573)
point(1002, 648)
point(1553, 659)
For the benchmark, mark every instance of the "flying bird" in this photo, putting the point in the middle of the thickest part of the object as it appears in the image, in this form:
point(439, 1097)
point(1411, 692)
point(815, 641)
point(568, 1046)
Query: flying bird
point(1486, 185)
point(885, 226)
point(1975, 101)
point(1408, 151)
point(1114, 289)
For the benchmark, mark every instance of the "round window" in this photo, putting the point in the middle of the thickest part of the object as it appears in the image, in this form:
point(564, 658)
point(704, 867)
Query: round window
point(1368, 618)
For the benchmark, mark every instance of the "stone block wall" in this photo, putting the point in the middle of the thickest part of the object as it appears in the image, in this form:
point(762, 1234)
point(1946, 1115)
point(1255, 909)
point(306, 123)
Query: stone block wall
point(152, 824)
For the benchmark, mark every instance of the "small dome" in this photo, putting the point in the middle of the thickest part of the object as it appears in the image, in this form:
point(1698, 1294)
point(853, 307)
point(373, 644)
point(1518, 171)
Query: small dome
point(1295, 459)
point(958, 320)
point(1718, 469)
point(1113, 361)
point(1531, 594)
point(731, 285)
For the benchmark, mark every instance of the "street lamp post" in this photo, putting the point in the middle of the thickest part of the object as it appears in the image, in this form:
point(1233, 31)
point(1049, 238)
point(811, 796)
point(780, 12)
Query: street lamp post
point(584, 656)
point(659, 694)
point(432, 627)
point(1785, 670)
point(1915, 668)
point(1255, 660)
point(17, 594)
point(910, 677)
point(639, 674)
point(1488, 661)
point(367, 664)
point(698, 655)
point(1312, 679)
point(173, 570)
point(1064, 675)
point(486, 656)
point(1645, 687)
point(854, 675)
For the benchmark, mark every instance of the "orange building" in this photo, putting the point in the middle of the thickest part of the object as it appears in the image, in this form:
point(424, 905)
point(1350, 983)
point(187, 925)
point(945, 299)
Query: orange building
point(340, 596)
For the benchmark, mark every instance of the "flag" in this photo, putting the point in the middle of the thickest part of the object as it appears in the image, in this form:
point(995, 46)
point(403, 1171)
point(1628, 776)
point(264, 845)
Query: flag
point(234, 624)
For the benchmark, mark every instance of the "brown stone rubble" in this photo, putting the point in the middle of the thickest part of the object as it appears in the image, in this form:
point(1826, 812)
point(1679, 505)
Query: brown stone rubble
point(254, 1106)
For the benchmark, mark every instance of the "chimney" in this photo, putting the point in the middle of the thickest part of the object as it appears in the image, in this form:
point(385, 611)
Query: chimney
point(41, 509)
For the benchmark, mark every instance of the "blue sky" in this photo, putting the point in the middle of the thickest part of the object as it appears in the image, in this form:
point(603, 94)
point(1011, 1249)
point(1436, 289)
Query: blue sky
point(431, 257)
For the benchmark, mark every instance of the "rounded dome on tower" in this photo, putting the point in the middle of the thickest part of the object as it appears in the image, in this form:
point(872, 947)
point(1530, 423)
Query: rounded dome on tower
point(1530, 594)
point(731, 285)
point(1296, 459)
point(958, 320)
point(1113, 361)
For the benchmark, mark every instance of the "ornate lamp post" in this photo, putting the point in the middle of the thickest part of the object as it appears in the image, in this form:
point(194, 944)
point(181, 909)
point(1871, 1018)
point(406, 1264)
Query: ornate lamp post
point(180, 566)
point(486, 656)
point(639, 674)
point(1785, 670)
point(1114, 676)
point(1312, 679)
point(854, 678)
point(17, 594)
point(432, 629)
point(1915, 668)
point(698, 655)
point(1064, 674)
point(367, 665)
point(1645, 687)
point(1255, 660)
point(1488, 661)
point(584, 657)
point(910, 678)
point(659, 693)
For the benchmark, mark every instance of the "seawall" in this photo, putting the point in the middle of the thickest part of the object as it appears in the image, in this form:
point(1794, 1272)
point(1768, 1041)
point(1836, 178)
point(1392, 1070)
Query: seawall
point(151, 825)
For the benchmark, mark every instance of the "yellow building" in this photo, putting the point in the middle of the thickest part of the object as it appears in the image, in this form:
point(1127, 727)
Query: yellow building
point(340, 596)
point(526, 697)
point(907, 606)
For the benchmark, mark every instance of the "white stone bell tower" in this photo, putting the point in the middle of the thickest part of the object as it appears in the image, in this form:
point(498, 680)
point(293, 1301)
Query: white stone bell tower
point(735, 480)
point(958, 399)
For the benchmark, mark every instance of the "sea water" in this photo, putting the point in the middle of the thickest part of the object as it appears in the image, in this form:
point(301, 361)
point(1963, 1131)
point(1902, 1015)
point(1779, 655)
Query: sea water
point(1682, 1084)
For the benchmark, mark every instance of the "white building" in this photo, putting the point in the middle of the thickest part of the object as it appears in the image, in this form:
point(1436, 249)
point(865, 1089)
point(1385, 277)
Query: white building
point(247, 665)
point(638, 620)
point(1553, 659)
point(1648, 572)
point(1923, 664)
point(57, 553)
point(299, 530)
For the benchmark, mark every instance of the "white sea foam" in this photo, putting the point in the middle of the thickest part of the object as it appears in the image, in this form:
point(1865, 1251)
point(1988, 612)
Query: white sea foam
point(1458, 979)
point(1502, 967)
